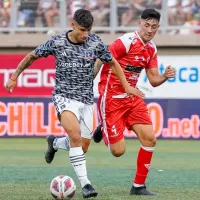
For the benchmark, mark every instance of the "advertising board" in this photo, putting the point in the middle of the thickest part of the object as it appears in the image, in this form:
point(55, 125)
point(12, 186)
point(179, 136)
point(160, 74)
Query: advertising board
point(31, 117)
point(39, 78)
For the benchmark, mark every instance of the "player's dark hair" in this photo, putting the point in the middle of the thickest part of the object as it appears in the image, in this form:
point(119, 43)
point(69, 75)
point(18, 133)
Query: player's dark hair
point(84, 18)
point(150, 14)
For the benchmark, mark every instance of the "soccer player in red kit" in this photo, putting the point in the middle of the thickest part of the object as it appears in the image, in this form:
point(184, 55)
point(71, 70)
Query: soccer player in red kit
point(117, 110)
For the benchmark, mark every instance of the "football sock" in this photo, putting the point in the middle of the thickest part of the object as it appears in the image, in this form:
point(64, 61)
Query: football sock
point(143, 165)
point(77, 158)
point(61, 143)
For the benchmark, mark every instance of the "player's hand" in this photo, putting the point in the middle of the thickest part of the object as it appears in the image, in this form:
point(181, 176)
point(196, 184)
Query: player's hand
point(10, 85)
point(170, 72)
point(131, 91)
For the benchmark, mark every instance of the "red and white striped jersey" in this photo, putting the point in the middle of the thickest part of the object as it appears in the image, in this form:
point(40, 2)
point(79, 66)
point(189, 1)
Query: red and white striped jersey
point(133, 55)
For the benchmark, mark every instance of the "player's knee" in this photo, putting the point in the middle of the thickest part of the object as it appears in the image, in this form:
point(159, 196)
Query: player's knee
point(85, 148)
point(152, 141)
point(149, 141)
point(75, 140)
point(85, 144)
point(118, 152)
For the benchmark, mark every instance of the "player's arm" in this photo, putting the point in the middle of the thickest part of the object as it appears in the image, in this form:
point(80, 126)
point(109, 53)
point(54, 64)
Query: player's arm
point(117, 49)
point(25, 63)
point(43, 50)
point(97, 67)
point(105, 56)
point(156, 79)
point(116, 68)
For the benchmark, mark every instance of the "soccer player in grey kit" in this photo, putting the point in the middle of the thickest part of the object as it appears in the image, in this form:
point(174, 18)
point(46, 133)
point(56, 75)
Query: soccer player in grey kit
point(75, 52)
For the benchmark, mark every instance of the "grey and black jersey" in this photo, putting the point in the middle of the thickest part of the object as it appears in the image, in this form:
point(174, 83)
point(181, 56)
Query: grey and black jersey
point(75, 65)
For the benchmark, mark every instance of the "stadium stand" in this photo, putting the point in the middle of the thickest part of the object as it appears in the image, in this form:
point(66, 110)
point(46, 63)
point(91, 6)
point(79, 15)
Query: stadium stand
point(22, 18)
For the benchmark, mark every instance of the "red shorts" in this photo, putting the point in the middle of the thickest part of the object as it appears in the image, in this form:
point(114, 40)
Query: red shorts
point(118, 114)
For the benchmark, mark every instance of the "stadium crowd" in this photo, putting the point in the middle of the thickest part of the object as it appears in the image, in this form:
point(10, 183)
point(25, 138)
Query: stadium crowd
point(45, 13)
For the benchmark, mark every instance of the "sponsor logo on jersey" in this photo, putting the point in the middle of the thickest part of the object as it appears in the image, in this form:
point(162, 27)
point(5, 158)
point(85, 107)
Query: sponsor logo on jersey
point(89, 55)
point(59, 43)
point(131, 68)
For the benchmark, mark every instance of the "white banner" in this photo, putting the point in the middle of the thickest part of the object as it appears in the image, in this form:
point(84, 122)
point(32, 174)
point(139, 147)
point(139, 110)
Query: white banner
point(185, 85)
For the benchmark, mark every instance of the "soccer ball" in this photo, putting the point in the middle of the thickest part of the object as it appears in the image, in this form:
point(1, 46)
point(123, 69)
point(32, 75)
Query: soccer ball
point(62, 187)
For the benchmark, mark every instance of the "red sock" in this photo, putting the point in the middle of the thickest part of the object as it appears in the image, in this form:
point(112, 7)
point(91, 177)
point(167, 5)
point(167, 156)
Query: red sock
point(143, 164)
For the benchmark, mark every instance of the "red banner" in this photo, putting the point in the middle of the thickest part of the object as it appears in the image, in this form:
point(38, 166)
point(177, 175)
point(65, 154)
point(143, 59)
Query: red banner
point(37, 80)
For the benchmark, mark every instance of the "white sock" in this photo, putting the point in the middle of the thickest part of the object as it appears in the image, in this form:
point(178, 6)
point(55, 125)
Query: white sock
point(77, 158)
point(61, 143)
point(138, 185)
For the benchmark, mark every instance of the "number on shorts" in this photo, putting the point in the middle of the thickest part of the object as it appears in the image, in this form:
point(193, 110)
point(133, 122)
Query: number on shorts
point(114, 130)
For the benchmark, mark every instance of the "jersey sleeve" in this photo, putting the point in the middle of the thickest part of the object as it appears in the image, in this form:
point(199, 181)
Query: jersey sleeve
point(121, 46)
point(45, 49)
point(153, 63)
point(102, 52)
point(117, 49)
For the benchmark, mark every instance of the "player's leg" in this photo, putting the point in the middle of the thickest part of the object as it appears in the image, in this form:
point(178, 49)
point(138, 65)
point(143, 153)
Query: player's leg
point(77, 157)
point(55, 143)
point(112, 113)
point(70, 112)
point(118, 149)
point(148, 142)
point(114, 139)
point(98, 135)
point(141, 124)
point(86, 126)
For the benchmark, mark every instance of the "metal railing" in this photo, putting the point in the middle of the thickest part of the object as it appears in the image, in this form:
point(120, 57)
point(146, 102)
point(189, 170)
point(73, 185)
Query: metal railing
point(63, 20)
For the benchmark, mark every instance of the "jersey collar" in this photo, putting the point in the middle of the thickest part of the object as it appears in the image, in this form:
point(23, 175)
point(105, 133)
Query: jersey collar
point(140, 38)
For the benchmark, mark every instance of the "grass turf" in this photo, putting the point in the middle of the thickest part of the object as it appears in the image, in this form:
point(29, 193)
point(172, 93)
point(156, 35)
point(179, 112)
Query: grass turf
point(174, 173)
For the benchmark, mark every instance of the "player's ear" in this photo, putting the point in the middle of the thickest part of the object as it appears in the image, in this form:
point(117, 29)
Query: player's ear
point(139, 22)
point(73, 25)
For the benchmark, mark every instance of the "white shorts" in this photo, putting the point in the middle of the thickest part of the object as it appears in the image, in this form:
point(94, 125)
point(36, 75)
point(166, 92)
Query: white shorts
point(83, 112)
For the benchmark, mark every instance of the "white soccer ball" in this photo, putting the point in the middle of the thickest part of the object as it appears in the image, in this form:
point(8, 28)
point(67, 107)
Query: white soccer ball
point(62, 187)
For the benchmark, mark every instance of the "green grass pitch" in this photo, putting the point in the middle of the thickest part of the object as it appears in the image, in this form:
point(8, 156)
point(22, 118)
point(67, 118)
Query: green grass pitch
point(174, 175)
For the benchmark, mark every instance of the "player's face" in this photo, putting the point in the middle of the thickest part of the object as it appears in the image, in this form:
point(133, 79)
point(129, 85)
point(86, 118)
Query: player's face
point(80, 33)
point(148, 29)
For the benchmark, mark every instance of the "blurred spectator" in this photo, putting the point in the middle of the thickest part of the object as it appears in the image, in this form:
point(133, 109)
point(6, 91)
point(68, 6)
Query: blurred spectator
point(196, 8)
point(136, 7)
point(172, 11)
point(156, 4)
point(5, 12)
point(122, 7)
point(128, 15)
point(195, 23)
point(75, 5)
point(27, 13)
point(139, 6)
point(47, 9)
point(100, 11)
point(185, 11)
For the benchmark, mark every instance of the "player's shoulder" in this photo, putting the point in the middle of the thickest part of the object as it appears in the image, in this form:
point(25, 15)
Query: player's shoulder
point(58, 36)
point(152, 46)
point(92, 37)
point(128, 36)
point(59, 39)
